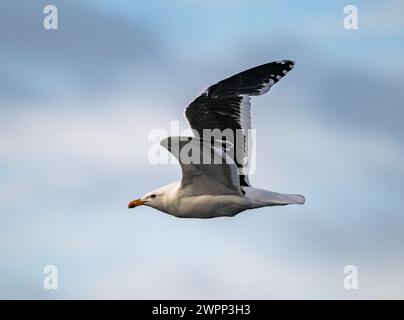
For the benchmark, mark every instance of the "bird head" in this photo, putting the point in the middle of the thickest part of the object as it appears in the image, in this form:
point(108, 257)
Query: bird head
point(156, 199)
point(149, 199)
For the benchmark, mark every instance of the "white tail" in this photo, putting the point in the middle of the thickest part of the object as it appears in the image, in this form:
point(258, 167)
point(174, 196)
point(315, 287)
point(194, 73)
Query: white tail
point(262, 198)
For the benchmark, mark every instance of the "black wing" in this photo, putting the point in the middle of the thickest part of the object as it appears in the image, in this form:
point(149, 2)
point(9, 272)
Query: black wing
point(226, 105)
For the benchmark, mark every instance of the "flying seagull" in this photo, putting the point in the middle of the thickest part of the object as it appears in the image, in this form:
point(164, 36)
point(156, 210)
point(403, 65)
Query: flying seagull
point(219, 189)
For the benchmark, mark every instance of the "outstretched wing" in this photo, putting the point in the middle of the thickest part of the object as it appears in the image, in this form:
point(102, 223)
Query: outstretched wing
point(205, 169)
point(226, 105)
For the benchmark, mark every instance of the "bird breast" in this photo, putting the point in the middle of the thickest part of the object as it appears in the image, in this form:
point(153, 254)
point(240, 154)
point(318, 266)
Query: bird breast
point(208, 206)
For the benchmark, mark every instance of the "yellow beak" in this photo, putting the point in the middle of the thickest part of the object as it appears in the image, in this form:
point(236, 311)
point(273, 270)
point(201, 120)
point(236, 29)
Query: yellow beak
point(135, 203)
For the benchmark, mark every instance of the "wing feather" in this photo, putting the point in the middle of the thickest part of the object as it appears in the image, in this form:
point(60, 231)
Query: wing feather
point(205, 168)
point(226, 105)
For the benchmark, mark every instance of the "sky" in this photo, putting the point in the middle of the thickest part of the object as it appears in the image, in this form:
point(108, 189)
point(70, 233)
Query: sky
point(77, 105)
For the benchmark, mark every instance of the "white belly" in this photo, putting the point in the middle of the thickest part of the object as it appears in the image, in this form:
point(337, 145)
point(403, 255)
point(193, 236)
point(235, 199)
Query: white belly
point(208, 206)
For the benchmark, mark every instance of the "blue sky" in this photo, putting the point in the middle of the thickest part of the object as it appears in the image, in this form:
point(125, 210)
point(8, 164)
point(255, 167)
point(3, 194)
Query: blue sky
point(77, 104)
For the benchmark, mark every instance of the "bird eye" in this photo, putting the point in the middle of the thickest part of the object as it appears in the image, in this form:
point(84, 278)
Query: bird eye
point(153, 196)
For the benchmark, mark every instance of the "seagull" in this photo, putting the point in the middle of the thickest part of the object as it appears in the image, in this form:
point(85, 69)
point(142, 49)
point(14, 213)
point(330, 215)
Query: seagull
point(209, 190)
